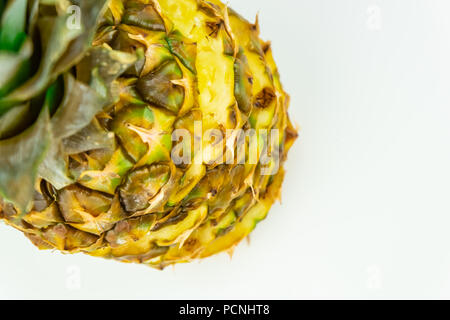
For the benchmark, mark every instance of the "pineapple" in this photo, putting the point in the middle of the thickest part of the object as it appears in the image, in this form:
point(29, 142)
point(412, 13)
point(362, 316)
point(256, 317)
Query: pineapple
point(119, 123)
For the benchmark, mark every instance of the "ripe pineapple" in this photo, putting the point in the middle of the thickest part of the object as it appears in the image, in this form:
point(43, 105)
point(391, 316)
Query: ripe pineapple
point(94, 94)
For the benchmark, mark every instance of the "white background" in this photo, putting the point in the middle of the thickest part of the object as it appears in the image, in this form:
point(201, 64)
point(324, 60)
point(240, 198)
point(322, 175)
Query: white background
point(366, 206)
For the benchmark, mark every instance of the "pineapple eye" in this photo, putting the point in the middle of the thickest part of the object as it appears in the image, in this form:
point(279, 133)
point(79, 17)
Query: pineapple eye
point(157, 87)
point(142, 15)
point(142, 185)
point(264, 98)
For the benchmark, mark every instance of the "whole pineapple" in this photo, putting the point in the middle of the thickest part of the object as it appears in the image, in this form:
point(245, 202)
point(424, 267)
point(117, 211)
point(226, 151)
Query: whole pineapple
point(95, 95)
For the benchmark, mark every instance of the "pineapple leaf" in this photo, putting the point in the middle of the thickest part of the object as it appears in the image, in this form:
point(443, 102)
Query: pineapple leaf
point(13, 120)
point(12, 28)
point(32, 17)
point(91, 11)
point(91, 137)
point(80, 104)
point(20, 158)
point(108, 63)
point(14, 67)
point(53, 169)
point(59, 38)
point(63, 44)
point(101, 67)
point(53, 96)
point(78, 108)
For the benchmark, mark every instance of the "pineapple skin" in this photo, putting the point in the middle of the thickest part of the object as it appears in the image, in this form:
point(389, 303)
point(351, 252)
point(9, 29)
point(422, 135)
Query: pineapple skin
point(125, 199)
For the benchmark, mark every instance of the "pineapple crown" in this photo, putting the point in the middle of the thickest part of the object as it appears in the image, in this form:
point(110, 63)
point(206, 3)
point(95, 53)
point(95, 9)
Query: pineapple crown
point(44, 102)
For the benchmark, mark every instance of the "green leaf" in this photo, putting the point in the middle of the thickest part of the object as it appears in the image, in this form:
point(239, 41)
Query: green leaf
point(63, 46)
point(101, 67)
point(91, 11)
point(40, 151)
point(110, 64)
point(14, 120)
point(54, 169)
point(53, 96)
point(89, 138)
point(20, 158)
point(14, 67)
point(53, 166)
point(12, 28)
point(33, 17)
point(79, 106)
point(60, 37)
